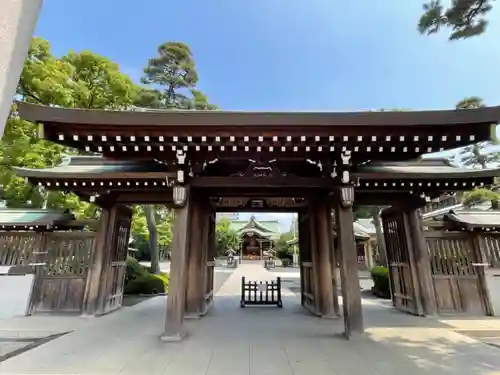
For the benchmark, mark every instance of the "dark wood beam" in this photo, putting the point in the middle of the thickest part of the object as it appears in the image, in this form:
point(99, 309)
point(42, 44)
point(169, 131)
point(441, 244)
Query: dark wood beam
point(265, 209)
point(379, 198)
point(264, 182)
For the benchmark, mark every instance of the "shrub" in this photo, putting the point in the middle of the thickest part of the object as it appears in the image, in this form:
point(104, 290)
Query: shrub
point(138, 280)
point(148, 284)
point(286, 262)
point(284, 253)
point(134, 270)
point(163, 276)
point(380, 277)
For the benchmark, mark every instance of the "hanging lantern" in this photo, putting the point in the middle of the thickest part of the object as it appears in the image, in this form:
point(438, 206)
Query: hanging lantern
point(347, 196)
point(179, 195)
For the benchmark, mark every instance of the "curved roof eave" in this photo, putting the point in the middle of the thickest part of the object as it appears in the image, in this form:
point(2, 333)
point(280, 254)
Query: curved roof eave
point(260, 233)
point(46, 114)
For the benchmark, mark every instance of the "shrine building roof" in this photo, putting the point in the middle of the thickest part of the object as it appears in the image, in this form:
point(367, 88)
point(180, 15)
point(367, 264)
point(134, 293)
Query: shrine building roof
point(32, 219)
point(474, 220)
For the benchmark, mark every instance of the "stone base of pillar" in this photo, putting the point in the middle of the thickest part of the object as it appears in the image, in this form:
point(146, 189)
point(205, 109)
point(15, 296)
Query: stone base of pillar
point(312, 311)
point(333, 316)
point(173, 337)
point(207, 308)
point(192, 316)
point(353, 336)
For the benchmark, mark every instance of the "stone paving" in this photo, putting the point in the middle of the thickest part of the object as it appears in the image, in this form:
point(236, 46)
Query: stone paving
point(256, 341)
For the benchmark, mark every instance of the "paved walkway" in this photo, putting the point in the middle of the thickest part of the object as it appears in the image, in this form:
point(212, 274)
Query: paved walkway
point(255, 341)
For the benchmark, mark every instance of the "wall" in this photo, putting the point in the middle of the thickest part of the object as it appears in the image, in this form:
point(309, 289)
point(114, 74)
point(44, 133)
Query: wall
point(15, 292)
point(493, 285)
point(17, 23)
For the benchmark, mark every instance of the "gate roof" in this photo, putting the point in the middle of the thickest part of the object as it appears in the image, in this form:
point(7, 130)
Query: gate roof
point(89, 175)
point(209, 134)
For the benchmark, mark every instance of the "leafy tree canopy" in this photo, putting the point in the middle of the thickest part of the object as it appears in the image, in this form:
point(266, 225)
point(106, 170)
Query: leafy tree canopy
point(480, 196)
point(225, 237)
point(83, 80)
point(172, 80)
point(465, 18)
point(476, 155)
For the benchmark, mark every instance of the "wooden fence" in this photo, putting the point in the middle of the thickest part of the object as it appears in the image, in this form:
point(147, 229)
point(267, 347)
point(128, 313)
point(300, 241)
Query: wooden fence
point(490, 248)
point(61, 262)
point(17, 248)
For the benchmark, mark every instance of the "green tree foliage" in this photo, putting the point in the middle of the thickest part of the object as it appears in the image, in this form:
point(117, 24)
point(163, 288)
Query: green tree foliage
point(282, 249)
point(173, 75)
point(76, 80)
point(225, 237)
point(174, 71)
point(478, 196)
point(141, 234)
point(97, 82)
point(476, 155)
point(471, 102)
point(361, 212)
point(465, 18)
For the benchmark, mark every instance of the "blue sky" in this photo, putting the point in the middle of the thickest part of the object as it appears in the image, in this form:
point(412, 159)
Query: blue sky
point(289, 54)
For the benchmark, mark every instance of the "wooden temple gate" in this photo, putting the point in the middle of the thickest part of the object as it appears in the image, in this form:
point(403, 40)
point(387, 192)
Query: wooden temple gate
point(452, 267)
point(456, 276)
point(60, 282)
point(401, 263)
point(464, 248)
point(408, 259)
point(192, 161)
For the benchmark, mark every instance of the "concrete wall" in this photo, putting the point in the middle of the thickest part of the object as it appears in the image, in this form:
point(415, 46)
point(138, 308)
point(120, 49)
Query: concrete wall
point(15, 292)
point(17, 23)
point(493, 284)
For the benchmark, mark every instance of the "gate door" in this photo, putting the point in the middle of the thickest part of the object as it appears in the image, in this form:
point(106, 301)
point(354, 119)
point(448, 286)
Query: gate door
point(400, 260)
point(61, 277)
point(118, 253)
point(457, 285)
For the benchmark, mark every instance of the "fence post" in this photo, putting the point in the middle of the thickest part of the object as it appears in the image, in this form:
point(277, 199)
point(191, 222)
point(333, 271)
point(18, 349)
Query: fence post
point(280, 302)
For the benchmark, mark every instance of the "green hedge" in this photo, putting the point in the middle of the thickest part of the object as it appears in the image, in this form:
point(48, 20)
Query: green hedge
point(138, 280)
point(380, 277)
point(134, 270)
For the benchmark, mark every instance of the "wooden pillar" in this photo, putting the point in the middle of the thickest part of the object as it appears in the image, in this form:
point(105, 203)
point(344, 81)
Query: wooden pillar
point(112, 276)
point(211, 256)
point(351, 293)
point(407, 245)
point(479, 259)
point(194, 283)
point(369, 254)
point(325, 279)
point(333, 263)
point(174, 321)
point(96, 281)
point(205, 223)
point(313, 243)
point(39, 254)
point(423, 263)
point(302, 254)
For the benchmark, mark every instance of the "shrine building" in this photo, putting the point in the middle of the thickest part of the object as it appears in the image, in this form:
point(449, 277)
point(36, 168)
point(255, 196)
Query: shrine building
point(256, 238)
point(200, 162)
